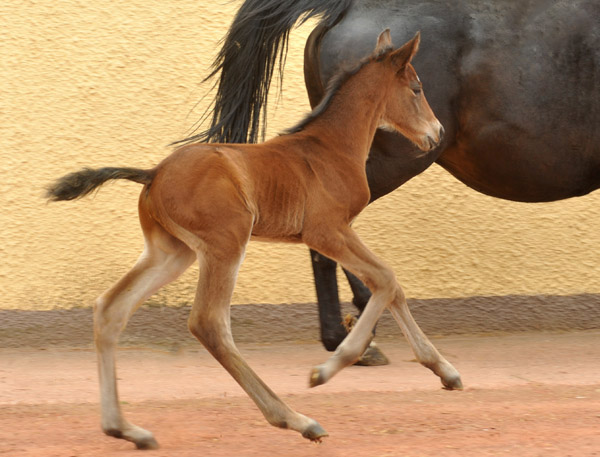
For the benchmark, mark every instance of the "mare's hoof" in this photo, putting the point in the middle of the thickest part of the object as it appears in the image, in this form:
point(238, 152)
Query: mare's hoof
point(317, 377)
point(453, 383)
point(372, 357)
point(315, 433)
point(147, 444)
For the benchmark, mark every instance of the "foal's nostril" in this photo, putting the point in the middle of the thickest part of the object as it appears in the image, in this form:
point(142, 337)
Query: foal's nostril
point(442, 132)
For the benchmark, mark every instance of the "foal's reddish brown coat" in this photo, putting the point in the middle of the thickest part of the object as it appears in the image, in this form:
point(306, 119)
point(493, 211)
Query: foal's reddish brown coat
point(206, 202)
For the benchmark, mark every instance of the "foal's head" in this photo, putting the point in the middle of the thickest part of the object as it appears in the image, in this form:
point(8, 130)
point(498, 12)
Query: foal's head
point(407, 110)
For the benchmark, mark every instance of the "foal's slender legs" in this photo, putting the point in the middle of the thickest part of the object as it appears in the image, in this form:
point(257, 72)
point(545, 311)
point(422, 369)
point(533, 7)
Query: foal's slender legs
point(426, 352)
point(333, 331)
point(352, 254)
point(210, 322)
point(164, 259)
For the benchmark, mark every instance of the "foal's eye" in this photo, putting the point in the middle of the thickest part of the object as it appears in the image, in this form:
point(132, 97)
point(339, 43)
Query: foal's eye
point(416, 88)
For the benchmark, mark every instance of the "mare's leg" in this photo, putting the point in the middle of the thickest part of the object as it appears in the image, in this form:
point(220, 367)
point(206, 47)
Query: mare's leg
point(360, 292)
point(164, 259)
point(351, 253)
point(328, 300)
point(210, 322)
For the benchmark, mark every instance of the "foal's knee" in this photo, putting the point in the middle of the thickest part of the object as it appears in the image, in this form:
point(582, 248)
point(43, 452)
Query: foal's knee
point(386, 286)
point(107, 325)
point(399, 296)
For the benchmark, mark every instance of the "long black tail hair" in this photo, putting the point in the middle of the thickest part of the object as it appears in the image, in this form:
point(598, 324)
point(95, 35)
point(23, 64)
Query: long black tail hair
point(256, 41)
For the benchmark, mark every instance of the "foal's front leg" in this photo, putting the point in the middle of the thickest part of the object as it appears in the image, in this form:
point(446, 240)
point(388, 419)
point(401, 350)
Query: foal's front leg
point(210, 322)
point(333, 330)
point(351, 253)
point(424, 350)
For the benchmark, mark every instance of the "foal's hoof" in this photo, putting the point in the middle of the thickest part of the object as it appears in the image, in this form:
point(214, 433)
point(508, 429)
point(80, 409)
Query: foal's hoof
point(147, 444)
point(315, 433)
point(372, 357)
point(317, 377)
point(142, 439)
point(453, 383)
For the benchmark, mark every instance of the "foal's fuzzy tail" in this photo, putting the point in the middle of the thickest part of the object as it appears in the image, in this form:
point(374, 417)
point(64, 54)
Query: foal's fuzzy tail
point(80, 183)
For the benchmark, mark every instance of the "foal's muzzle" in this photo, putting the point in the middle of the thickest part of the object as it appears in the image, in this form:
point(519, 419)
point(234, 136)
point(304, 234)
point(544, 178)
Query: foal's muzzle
point(431, 141)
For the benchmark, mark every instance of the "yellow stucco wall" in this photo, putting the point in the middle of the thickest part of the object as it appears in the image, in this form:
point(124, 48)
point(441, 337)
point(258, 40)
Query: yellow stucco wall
point(113, 82)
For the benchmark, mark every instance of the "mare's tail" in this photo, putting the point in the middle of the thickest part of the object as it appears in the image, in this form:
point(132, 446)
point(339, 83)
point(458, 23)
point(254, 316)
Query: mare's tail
point(80, 183)
point(255, 42)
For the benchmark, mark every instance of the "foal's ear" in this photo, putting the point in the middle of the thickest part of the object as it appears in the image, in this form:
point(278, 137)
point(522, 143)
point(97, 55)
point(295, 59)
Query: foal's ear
point(402, 57)
point(384, 42)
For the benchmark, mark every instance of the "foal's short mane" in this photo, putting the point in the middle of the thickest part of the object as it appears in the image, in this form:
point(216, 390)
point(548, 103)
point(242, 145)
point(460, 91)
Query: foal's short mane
point(332, 88)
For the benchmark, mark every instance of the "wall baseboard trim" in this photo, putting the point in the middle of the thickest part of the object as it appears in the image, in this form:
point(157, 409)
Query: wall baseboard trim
point(166, 327)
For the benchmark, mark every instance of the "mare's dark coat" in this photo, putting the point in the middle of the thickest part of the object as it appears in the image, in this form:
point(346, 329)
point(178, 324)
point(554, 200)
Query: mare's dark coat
point(516, 85)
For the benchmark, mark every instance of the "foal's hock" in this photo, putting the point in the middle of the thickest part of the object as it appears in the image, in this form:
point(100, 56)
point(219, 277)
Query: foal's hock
point(206, 201)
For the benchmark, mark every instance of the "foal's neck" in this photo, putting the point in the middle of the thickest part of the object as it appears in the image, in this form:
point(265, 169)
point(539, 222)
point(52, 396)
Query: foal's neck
point(350, 121)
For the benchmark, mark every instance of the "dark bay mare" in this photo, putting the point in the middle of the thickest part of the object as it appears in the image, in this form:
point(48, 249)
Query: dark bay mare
point(516, 85)
point(206, 202)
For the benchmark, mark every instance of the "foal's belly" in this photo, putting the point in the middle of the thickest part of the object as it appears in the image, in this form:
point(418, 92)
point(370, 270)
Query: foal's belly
point(279, 217)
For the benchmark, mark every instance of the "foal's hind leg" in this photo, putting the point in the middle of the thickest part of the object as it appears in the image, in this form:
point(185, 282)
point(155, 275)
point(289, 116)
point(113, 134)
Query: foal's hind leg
point(210, 323)
point(350, 252)
point(164, 259)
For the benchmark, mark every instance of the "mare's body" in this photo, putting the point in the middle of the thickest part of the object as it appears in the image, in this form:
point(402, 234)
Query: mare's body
point(516, 85)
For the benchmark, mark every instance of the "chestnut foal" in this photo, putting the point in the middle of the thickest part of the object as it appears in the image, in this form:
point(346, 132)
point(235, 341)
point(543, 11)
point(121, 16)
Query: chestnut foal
point(206, 201)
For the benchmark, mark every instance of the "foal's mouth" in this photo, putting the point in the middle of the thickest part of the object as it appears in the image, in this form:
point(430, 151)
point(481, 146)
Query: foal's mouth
point(430, 142)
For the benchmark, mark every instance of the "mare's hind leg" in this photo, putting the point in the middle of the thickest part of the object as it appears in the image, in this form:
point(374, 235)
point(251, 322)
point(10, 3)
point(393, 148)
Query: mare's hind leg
point(360, 292)
point(164, 259)
point(210, 322)
point(328, 300)
point(351, 253)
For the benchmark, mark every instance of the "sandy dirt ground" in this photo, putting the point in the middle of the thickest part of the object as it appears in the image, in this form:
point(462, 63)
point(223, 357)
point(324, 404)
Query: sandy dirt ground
point(534, 394)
